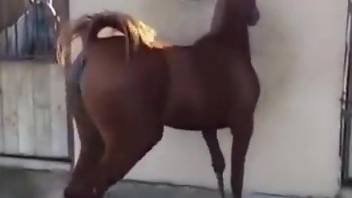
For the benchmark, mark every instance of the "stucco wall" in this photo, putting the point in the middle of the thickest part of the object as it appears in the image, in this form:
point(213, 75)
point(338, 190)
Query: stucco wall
point(298, 50)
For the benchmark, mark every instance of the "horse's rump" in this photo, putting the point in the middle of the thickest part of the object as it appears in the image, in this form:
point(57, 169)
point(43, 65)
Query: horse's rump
point(88, 27)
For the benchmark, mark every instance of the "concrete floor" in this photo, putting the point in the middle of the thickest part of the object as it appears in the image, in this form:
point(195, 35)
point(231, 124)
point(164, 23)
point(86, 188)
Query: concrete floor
point(16, 183)
point(345, 193)
point(19, 183)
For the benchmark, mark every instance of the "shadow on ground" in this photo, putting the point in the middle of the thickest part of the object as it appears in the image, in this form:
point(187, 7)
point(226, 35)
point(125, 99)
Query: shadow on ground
point(17, 183)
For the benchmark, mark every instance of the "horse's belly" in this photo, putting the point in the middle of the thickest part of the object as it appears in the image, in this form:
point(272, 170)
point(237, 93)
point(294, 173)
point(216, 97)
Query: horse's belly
point(187, 119)
point(195, 107)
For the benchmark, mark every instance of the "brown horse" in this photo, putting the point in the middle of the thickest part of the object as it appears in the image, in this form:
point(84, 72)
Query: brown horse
point(10, 11)
point(131, 88)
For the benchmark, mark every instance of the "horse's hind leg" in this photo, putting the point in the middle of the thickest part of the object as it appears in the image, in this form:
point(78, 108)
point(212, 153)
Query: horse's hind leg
point(242, 131)
point(90, 154)
point(217, 158)
point(92, 147)
point(124, 147)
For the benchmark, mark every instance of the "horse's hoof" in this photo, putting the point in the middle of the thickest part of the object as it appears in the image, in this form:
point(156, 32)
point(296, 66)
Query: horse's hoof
point(70, 192)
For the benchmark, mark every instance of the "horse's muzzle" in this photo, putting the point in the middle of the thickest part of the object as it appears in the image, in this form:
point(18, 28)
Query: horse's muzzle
point(253, 18)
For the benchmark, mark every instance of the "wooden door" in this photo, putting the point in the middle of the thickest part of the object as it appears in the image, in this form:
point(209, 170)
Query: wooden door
point(33, 110)
point(33, 116)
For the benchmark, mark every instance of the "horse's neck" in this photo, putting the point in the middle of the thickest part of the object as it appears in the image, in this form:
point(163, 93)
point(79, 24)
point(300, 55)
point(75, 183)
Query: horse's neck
point(227, 25)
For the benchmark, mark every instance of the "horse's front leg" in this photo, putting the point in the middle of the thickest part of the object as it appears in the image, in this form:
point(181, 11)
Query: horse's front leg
point(217, 158)
point(242, 131)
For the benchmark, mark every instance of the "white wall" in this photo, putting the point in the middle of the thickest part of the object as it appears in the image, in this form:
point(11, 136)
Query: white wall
point(298, 50)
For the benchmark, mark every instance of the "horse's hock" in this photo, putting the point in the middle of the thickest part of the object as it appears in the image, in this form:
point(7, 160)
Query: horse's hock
point(33, 110)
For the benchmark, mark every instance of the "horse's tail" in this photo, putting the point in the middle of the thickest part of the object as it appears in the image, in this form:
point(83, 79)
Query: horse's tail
point(119, 21)
point(68, 33)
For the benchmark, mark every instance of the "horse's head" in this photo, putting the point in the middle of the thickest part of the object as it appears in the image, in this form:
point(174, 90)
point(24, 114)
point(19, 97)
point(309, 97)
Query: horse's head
point(247, 9)
point(253, 13)
point(233, 11)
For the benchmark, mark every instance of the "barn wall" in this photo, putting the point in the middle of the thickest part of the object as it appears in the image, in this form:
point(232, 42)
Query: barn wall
point(298, 52)
point(32, 110)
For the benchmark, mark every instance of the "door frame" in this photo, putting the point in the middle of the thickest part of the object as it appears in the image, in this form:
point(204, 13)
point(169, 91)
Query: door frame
point(346, 105)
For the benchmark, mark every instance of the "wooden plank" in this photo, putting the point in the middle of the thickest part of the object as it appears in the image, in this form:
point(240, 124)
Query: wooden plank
point(2, 134)
point(10, 83)
point(25, 110)
point(33, 164)
point(59, 128)
point(77, 143)
point(34, 109)
point(42, 122)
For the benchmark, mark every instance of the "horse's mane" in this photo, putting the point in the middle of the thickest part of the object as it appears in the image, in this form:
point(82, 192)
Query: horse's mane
point(88, 26)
